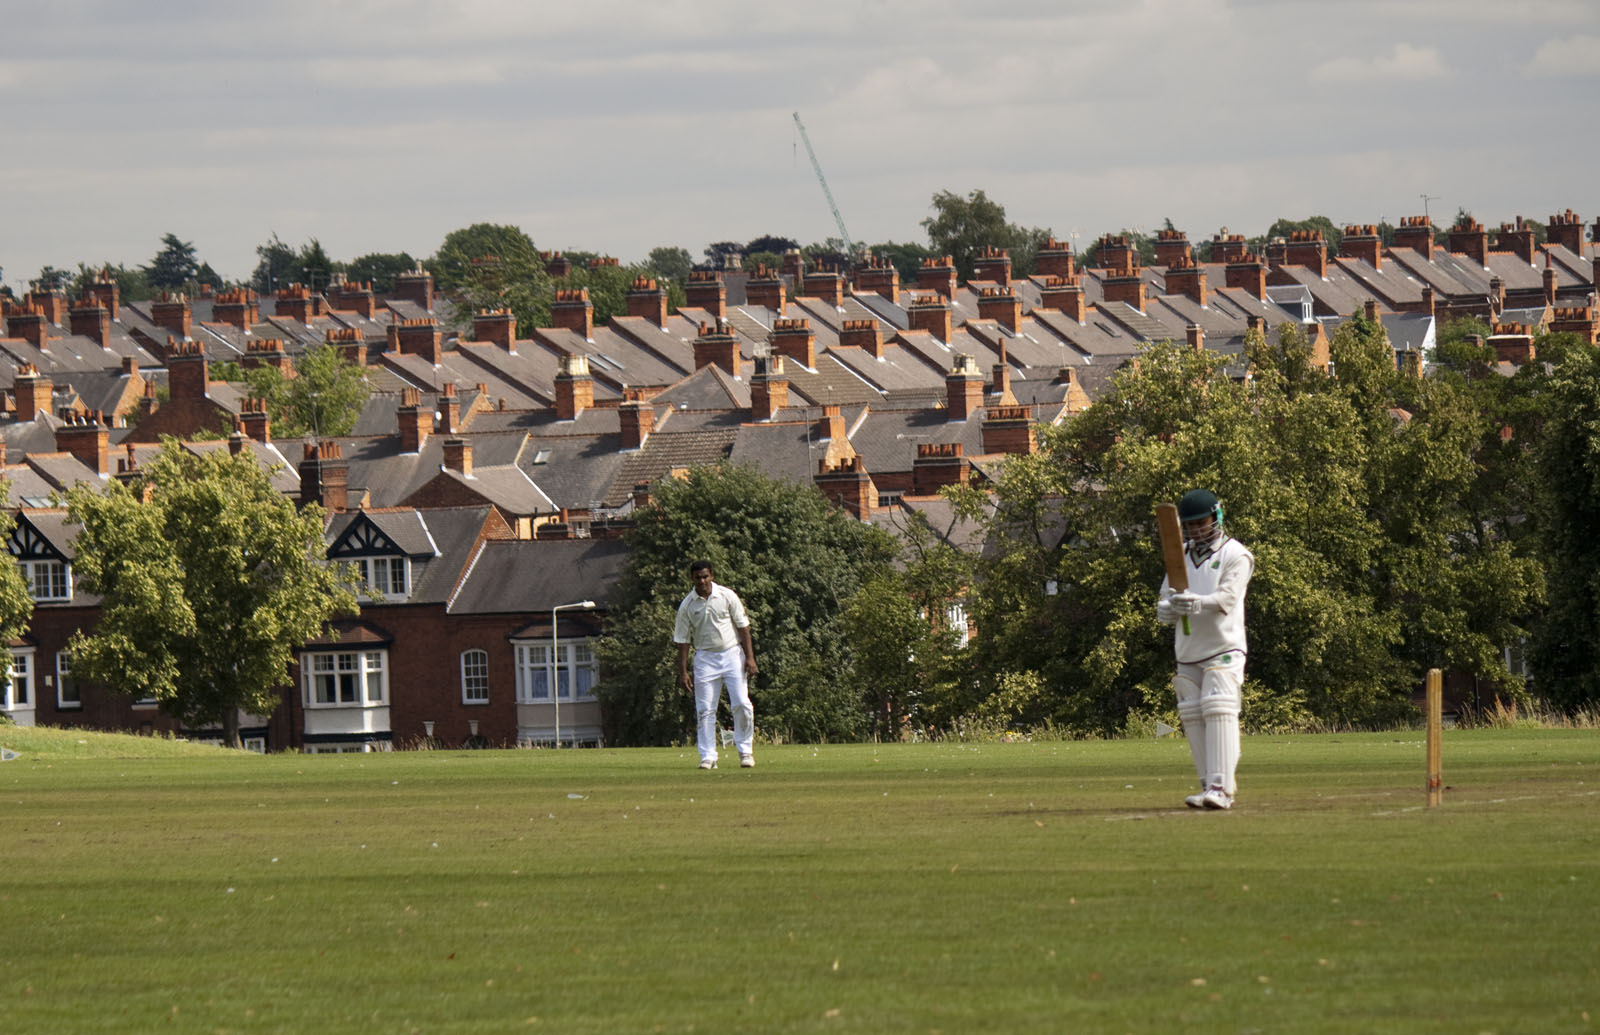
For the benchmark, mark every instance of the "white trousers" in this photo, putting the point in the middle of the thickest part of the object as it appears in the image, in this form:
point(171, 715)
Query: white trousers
point(713, 669)
point(1210, 696)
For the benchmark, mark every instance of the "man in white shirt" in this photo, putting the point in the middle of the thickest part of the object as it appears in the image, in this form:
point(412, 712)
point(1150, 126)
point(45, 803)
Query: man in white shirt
point(711, 619)
point(1209, 642)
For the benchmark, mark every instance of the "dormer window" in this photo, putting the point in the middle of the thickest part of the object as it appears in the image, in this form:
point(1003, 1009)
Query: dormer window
point(383, 554)
point(385, 576)
point(46, 567)
point(47, 580)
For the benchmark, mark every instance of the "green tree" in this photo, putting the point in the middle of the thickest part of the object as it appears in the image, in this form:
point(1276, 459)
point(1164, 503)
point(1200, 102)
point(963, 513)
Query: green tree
point(52, 279)
point(209, 579)
point(380, 269)
point(962, 227)
point(173, 266)
point(1565, 650)
point(282, 264)
point(314, 268)
point(609, 285)
point(491, 266)
point(670, 263)
point(131, 283)
point(904, 649)
point(323, 399)
point(906, 258)
point(1331, 233)
point(1357, 494)
point(208, 276)
point(794, 560)
point(276, 266)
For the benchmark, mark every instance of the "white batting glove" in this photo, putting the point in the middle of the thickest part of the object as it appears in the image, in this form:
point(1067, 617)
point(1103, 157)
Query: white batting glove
point(1164, 613)
point(1185, 604)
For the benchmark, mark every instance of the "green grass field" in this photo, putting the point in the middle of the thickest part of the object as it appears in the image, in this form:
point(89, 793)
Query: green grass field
point(909, 888)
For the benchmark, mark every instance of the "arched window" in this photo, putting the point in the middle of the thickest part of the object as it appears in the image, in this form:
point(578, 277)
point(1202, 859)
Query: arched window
point(475, 676)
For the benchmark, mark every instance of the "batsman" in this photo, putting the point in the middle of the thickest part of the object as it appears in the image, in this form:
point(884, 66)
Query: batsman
point(1202, 597)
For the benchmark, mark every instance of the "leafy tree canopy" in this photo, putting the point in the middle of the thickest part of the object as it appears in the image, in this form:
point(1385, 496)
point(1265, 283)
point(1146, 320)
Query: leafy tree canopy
point(961, 227)
point(671, 263)
point(1373, 563)
point(132, 286)
point(174, 266)
point(380, 269)
point(720, 253)
point(793, 558)
point(52, 279)
point(210, 580)
point(771, 243)
point(282, 264)
point(323, 399)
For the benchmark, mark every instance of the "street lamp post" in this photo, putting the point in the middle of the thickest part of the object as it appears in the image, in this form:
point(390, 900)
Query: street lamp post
point(555, 659)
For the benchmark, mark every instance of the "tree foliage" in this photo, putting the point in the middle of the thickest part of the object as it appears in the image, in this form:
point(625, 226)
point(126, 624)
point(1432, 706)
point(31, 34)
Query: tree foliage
point(905, 652)
point(380, 269)
point(280, 264)
point(209, 579)
point(671, 264)
point(174, 266)
point(323, 399)
point(794, 560)
point(961, 227)
point(493, 266)
point(1357, 493)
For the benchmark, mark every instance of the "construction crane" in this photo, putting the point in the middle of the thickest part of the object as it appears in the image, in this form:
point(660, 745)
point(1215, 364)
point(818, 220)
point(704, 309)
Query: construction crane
point(844, 235)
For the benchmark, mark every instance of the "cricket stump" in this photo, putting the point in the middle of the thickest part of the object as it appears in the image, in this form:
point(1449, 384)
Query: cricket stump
point(1435, 735)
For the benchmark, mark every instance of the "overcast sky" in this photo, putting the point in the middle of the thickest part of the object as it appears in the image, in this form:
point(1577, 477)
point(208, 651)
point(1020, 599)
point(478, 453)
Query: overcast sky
point(617, 127)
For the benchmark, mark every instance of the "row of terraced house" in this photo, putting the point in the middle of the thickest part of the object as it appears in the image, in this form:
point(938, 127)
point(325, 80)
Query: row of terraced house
point(488, 481)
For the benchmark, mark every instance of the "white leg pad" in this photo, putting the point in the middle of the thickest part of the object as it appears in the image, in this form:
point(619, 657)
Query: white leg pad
point(1190, 715)
point(1220, 704)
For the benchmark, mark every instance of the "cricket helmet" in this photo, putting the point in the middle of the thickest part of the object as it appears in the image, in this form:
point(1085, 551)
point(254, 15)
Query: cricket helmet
point(1197, 505)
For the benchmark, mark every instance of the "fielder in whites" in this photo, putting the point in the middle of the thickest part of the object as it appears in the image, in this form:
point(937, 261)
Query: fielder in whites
point(711, 619)
point(1209, 642)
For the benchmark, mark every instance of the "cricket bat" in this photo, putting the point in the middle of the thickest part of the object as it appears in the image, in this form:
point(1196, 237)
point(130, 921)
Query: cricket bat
point(1172, 551)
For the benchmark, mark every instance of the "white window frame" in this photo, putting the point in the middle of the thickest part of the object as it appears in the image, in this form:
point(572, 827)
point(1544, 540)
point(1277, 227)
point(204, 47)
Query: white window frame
point(955, 613)
point(385, 576)
point(328, 674)
point(64, 681)
point(19, 670)
point(475, 676)
point(577, 666)
point(54, 576)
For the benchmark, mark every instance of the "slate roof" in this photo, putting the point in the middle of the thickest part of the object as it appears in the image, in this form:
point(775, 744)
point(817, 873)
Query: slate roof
point(533, 576)
point(785, 451)
point(709, 388)
point(664, 452)
point(439, 543)
point(1392, 281)
point(898, 369)
point(575, 471)
point(887, 440)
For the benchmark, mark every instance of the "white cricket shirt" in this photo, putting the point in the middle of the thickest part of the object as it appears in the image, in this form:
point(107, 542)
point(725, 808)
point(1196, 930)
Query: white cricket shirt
point(708, 623)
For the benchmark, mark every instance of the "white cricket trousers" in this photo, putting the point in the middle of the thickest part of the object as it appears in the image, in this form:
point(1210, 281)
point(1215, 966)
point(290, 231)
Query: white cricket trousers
point(713, 669)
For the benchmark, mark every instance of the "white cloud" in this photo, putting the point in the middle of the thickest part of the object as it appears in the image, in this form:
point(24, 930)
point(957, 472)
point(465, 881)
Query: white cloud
point(1574, 55)
point(1403, 62)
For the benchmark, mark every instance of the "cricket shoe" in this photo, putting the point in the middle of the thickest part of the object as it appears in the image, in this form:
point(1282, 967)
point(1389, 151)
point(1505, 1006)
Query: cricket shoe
point(747, 761)
point(1197, 800)
point(708, 763)
point(1216, 798)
